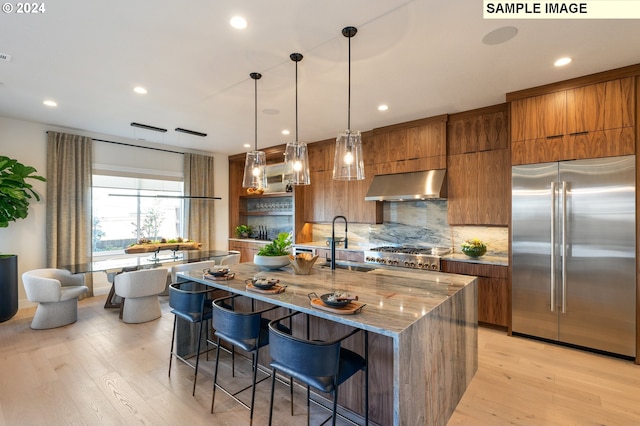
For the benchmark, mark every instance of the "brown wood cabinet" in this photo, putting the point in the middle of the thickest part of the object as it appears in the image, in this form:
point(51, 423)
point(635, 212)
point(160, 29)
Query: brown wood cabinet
point(326, 198)
point(246, 248)
point(478, 167)
point(588, 121)
point(494, 297)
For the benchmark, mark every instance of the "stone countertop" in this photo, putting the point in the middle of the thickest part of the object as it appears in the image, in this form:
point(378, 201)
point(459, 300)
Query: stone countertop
point(394, 299)
point(485, 260)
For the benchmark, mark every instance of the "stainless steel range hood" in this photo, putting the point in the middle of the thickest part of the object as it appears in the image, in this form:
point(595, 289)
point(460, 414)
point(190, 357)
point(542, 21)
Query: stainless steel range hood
point(430, 184)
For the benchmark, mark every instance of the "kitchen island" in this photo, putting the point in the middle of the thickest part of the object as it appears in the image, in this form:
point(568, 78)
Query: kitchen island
point(422, 326)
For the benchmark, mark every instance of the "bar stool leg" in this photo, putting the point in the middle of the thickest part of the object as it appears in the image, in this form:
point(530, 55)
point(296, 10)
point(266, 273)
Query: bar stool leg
point(215, 375)
point(173, 338)
point(195, 376)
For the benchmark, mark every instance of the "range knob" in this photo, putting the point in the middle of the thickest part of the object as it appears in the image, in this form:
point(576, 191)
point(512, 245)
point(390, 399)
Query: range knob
point(394, 262)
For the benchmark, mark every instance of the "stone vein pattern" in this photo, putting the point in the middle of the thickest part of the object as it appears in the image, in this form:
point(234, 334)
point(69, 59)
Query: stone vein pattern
point(431, 317)
point(418, 223)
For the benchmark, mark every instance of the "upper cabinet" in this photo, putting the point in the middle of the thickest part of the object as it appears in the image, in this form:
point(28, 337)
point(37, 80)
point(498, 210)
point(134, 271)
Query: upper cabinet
point(478, 130)
point(587, 121)
point(408, 147)
point(478, 167)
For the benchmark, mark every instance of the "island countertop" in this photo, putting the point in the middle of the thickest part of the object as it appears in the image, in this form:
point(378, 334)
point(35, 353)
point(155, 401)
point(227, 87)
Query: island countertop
point(424, 350)
point(394, 299)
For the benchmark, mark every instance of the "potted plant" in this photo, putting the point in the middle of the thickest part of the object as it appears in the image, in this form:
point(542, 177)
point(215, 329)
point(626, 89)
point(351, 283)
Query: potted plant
point(15, 195)
point(243, 231)
point(274, 255)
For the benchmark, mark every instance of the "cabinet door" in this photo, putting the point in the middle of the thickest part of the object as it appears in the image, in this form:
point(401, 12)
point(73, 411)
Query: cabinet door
point(601, 106)
point(464, 134)
point(315, 195)
point(495, 131)
point(321, 156)
point(462, 171)
point(493, 301)
point(539, 117)
point(396, 146)
point(428, 140)
point(492, 202)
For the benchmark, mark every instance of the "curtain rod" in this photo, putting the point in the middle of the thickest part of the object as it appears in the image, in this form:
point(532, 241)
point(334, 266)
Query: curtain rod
point(138, 146)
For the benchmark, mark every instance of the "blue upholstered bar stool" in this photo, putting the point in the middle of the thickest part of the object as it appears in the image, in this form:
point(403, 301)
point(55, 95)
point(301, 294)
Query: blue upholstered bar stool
point(318, 364)
point(246, 330)
point(190, 301)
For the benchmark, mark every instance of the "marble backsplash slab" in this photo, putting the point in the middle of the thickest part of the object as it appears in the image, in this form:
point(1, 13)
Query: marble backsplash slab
point(418, 223)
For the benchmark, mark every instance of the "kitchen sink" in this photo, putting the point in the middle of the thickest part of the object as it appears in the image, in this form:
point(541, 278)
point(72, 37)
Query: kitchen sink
point(350, 267)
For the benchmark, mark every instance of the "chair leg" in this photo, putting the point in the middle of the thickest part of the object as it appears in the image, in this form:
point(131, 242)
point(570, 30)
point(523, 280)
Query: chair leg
point(273, 387)
point(291, 393)
point(335, 406)
point(195, 376)
point(215, 375)
point(253, 386)
point(173, 338)
point(308, 406)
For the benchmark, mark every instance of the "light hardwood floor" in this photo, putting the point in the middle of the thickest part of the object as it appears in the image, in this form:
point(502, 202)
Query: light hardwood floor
point(102, 371)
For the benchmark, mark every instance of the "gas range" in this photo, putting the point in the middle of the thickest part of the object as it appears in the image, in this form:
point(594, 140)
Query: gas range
point(426, 258)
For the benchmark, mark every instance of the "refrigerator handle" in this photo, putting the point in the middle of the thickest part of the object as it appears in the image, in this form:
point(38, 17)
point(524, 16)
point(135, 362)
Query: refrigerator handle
point(564, 247)
point(552, 290)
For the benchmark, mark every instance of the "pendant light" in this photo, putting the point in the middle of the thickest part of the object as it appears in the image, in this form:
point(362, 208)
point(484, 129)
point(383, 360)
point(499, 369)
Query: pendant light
point(296, 155)
point(348, 163)
point(255, 165)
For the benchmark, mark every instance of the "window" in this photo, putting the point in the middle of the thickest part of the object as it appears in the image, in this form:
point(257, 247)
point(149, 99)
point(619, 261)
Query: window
point(122, 216)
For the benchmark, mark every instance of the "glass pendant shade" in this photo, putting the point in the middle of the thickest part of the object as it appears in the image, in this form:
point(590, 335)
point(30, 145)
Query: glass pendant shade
point(255, 165)
point(255, 170)
point(297, 163)
point(296, 156)
point(348, 163)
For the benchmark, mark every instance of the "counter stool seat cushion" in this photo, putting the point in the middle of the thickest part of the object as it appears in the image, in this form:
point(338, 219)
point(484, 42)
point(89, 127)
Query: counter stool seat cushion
point(140, 290)
point(56, 291)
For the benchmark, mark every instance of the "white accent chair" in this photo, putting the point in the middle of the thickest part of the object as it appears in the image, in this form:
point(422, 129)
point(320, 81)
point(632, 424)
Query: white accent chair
point(139, 291)
point(56, 291)
point(231, 259)
point(193, 266)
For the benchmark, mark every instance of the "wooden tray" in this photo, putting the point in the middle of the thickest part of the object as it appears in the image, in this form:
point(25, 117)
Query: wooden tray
point(225, 277)
point(273, 290)
point(349, 309)
point(151, 247)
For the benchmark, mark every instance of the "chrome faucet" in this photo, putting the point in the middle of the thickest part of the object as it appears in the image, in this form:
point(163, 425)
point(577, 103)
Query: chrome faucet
point(333, 239)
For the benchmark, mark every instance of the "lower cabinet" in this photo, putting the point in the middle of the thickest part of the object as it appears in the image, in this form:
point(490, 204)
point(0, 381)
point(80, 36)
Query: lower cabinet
point(246, 248)
point(493, 289)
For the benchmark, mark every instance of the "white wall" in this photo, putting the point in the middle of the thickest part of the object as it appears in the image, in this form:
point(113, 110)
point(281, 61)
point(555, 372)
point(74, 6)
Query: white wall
point(27, 142)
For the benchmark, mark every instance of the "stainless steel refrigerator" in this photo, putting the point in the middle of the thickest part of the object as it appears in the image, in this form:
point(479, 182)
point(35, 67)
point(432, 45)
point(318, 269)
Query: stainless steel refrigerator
point(573, 245)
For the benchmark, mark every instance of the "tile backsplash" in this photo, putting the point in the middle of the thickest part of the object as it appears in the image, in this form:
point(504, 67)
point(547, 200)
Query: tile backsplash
point(417, 223)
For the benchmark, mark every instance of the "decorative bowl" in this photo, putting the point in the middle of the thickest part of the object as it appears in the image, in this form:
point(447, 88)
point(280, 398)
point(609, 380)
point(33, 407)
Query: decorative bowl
point(474, 251)
point(271, 262)
point(302, 263)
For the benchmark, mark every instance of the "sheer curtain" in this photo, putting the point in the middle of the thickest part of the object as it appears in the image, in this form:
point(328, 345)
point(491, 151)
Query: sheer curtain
point(198, 181)
point(69, 201)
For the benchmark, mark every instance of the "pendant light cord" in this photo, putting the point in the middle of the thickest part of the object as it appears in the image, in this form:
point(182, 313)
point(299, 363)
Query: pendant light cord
point(349, 32)
point(349, 96)
point(256, 113)
point(296, 101)
point(255, 76)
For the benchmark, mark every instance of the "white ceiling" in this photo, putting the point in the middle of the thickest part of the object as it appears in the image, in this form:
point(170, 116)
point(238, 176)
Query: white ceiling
point(421, 57)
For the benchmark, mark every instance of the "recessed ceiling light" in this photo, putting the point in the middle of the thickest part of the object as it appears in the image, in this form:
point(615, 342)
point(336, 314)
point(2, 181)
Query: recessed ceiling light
point(140, 90)
point(383, 107)
point(562, 61)
point(246, 145)
point(286, 132)
point(238, 22)
point(50, 103)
